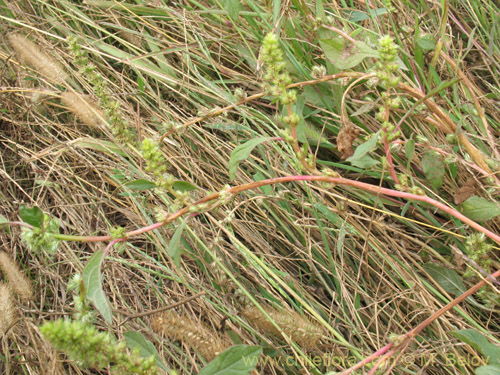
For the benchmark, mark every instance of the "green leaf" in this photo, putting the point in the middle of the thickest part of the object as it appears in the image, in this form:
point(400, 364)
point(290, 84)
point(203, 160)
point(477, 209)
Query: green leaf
point(140, 185)
point(107, 147)
point(174, 250)
point(93, 285)
point(488, 370)
point(242, 152)
point(409, 149)
point(427, 42)
point(357, 16)
point(237, 360)
point(32, 216)
point(448, 279)
point(365, 162)
point(343, 57)
point(480, 343)
point(183, 186)
point(480, 209)
point(433, 166)
point(233, 8)
point(146, 347)
point(363, 149)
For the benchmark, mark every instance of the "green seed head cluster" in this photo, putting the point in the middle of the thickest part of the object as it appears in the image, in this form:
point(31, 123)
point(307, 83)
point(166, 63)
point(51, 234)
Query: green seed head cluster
point(156, 163)
point(479, 250)
point(118, 125)
point(387, 65)
point(84, 343)
point(118, 232)
point(275, 75)
point(42, 238)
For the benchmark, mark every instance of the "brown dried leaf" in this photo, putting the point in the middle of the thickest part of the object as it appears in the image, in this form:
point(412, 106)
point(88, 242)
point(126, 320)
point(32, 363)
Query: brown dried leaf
point(467, 190)
point(345, 139)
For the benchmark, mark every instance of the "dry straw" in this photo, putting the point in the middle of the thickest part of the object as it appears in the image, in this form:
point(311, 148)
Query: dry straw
point(301, 330)
point(30, 54)
point(7, 309)
point(192, 333)
point(84, 108)
point(18, 282)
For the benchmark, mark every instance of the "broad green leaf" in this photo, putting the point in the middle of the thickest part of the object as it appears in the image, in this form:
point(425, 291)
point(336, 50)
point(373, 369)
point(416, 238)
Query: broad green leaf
point(93, 285)
point(363, 149)
point(140, 185)
point(174, 249)
point(346, 57)
point(365, 162)
point(409, 149)
point(480, 209)
point(183, 186)
point(237, 360)
point(488, 370)
point(233, 8)
point(433, 166)
point(242, 152)
point(480, 343)
point(146, 347)
point(357, 16)
point(427, 42)
point(32, 216)
point(448, 279)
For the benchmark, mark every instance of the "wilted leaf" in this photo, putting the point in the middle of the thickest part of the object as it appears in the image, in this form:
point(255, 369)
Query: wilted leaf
point(237, 360)
point(433, 166)
point(465, 191)
point(480, 343)
point(480, 209)
point(347, 135)
point(146, 347)
point(242, 152)
point(32, 216)
point(93, 285)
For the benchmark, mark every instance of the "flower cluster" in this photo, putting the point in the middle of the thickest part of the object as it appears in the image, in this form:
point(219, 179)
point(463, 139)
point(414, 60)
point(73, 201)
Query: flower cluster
point(42, 238)
point(84, 343)
point(118, 125)
point(276, 77)
point(387, 65)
